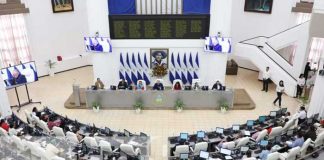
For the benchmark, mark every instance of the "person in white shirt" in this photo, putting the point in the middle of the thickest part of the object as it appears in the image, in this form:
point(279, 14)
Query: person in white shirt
point(300, 85)
point(266, 79)
point(302, 115)
point(280, 89)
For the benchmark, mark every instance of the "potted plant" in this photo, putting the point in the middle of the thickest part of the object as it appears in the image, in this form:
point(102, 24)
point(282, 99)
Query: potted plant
point(224, 106)
point(95, 106)
point(138, 106)
point(179, 105)
point(51, 65)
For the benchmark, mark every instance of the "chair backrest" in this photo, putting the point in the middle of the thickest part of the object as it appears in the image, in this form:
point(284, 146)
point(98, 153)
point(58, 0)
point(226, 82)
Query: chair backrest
point(143, 82)
point(273, 156)
point(3, 132)
point(18, 142)
point(90, 142)
point(276, 131)
point(33, 148)
point(319, 140)
point(242, 142)
point(194, 81)
point(127, 149)
point(181, 149)
point(261, 135)
point(161, 80)
point(175, 81)
point(292, 153)
point(201, 146)
point(105, 146)
point(289, 125)
point(35, 118)
point(72, 138)
point(58, 132)
point(251, 158)
point(44, 126)
point(229, 145)
point(303, 149)
point(28, 116)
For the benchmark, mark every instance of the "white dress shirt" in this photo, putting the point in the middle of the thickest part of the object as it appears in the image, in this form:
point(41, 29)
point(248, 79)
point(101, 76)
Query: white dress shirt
point(280, 89)
point(302, 114)
point(301, 81)
point(266, 74)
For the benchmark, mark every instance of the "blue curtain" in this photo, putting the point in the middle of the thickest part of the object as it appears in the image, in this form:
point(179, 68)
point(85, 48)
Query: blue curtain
point(121, 7)
point(196, 6)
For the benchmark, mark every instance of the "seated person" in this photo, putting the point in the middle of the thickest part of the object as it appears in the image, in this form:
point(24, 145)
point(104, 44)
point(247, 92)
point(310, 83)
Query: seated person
point(196, 86)
point(311, 133)
point(299, 141)
point(52, 121)
point(177, 86)
point(217, 86)
point(122, 85)
point(17, 78)
point(12, 129)
point(256, 134)
point(264, 153)
point(228, 139)
point(99, 84)
point(288, 115)
point(275, 124)
point(158, 86)
point(248, 155)
point(36, 113)
point(302, 115)
point(4, 125)
point(140, 86)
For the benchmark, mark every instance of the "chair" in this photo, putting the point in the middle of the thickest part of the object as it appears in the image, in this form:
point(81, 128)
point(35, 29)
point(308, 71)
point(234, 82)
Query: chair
point(106, 147)
point(58, 132)
point(129, 150)
point(291, 154)
point(242, 142)
point(181, 149)
point(29, 118)
point(175, 81)
point(143, 82)
point(229, 145)
point(289, 125)
point(72, 138)
point(3, 132)
point(273, 156)
point(318, 141)
point(276, 131)
point(91, 142)
point(44, 127)
point(201, 146)
point(304, 148)
point(194, 81)
point(251, 158)
point(261, 135)
point(34, 150)
point(19, 143)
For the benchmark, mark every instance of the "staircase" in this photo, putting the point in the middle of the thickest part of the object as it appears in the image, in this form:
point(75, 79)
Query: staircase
point(303, 7)
point(12, 7)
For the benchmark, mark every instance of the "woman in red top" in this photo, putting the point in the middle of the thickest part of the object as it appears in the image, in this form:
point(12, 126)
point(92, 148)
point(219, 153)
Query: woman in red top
point(4, 125)
point(177, 86)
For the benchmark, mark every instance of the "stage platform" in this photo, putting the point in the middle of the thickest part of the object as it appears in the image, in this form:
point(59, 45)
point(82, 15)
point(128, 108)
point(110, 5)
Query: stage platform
point(241, 100)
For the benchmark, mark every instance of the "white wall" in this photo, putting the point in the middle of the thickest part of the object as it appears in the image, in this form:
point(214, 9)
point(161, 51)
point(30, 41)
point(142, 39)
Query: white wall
point(220, 19)
point(52, 34)
point(318, 6)
point(317, 98)
point(4, 101)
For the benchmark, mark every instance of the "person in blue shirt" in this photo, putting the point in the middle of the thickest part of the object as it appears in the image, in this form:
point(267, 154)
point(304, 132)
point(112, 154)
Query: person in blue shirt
point(140, 86)
point(264, 154)
point(96, 46)
point(18, 78)
point(158, 86)
point(298, 142)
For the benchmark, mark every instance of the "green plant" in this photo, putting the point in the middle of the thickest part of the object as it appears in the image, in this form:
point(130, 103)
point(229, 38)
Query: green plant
point(179, 104)
point(304, 100)
point(95, 105)
point(50, 64)
point(139, 104)
point(223, 104)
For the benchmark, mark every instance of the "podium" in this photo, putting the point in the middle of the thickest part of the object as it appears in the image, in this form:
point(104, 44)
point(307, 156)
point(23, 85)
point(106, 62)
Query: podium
point(76, 95)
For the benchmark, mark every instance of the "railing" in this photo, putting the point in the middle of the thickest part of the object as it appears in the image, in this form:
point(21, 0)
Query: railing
point(277, 52)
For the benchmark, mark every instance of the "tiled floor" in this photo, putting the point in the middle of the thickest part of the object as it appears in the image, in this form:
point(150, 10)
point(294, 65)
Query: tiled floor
point(159, 124)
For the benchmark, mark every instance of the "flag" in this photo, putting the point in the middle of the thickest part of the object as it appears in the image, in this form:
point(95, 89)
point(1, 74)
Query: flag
point(146, 79)
point(121, 59)
point(189, 77)
point(17, 69)
point(128, 79)
point(110, 47)
point(195, 75)
point(183, 78)
point(139, 76)
point(127, 61)
point(1, 72)
point(145, 61)
point(177, 76)
point(185, 60)
point(178, 60)
point(9, 75)
point(23, 66)
point(190, 60)
point(133, 61)
point(197, 60)
point(171, 77)
point(134, 78)
point(172, 60)
point(139, 59)
point(35, 73)
point(121, 76)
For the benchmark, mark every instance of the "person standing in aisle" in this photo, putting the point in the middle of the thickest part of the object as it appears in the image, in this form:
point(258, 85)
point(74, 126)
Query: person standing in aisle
point(300, 85)
point(280, 89)
point(266, 79)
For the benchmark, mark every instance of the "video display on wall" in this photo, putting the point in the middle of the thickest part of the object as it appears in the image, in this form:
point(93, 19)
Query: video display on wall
point(98, 44)
point(19, 74)
point(218, 44)
point(159, 26)
point(261, 6)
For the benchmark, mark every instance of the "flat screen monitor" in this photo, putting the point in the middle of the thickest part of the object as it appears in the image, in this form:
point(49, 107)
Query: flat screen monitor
point(107, 130)
point(273, 114)
point(98, 44)
point(262, 119)
point(244, 149)
point(200, 134)
point(236, 127)
point(19, 74)
point(309, 120)
point(225, 151)
point(204, 154)
point(264, 143)
point(278, 139)
point(290, 132)
point(250, 123)
point(316, 116)
point(184, 156)
point(219, 130)
point(218, 44)
point(184, 136)
point(127, 133)
point(283, 110)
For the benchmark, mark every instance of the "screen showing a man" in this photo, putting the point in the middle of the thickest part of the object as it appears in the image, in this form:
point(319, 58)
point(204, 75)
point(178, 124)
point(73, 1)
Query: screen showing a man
point(95, 45)
point(17, 78)
point(159, 59)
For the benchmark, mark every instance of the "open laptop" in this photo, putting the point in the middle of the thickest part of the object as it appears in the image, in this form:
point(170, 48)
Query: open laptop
point(204, 155)
point(184, 156)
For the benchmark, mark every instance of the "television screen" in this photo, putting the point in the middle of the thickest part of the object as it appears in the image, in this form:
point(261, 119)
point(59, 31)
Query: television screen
point(19, 74)
point(218, 44)
point(97, 44)
point(261, 6)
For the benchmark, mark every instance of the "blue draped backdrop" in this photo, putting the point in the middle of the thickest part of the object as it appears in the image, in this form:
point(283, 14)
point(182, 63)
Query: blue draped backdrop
point(196, 6)
point(118, 7)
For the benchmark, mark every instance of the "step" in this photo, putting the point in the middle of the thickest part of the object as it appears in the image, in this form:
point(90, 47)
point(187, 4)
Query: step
point(14, 11)
point(301, 10)
point(11, 6)
point(305, 5)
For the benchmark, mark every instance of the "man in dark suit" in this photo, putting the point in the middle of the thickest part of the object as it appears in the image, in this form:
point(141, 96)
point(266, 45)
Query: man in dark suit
point(158, 86)
point(217, 86)
point(17, 78)
point(122, 85)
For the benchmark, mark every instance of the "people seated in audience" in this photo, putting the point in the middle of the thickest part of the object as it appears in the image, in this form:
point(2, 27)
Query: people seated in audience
point(177, 86)
point(99, 84)
point(12, 129)
point(311, 133)
point(302, 115)
point(256, 134)
point(196, 86)
point(275, 124)
point(248, 155)
point(4, 125)
point(140, 86)
point(288, 115)
point(158, 86)
point(52, 121)
point(299, 141)
point(282, 123)
point(36, 113)
point(228, 139)
point(265, 152)
point(122, 85)
point(217, 86)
